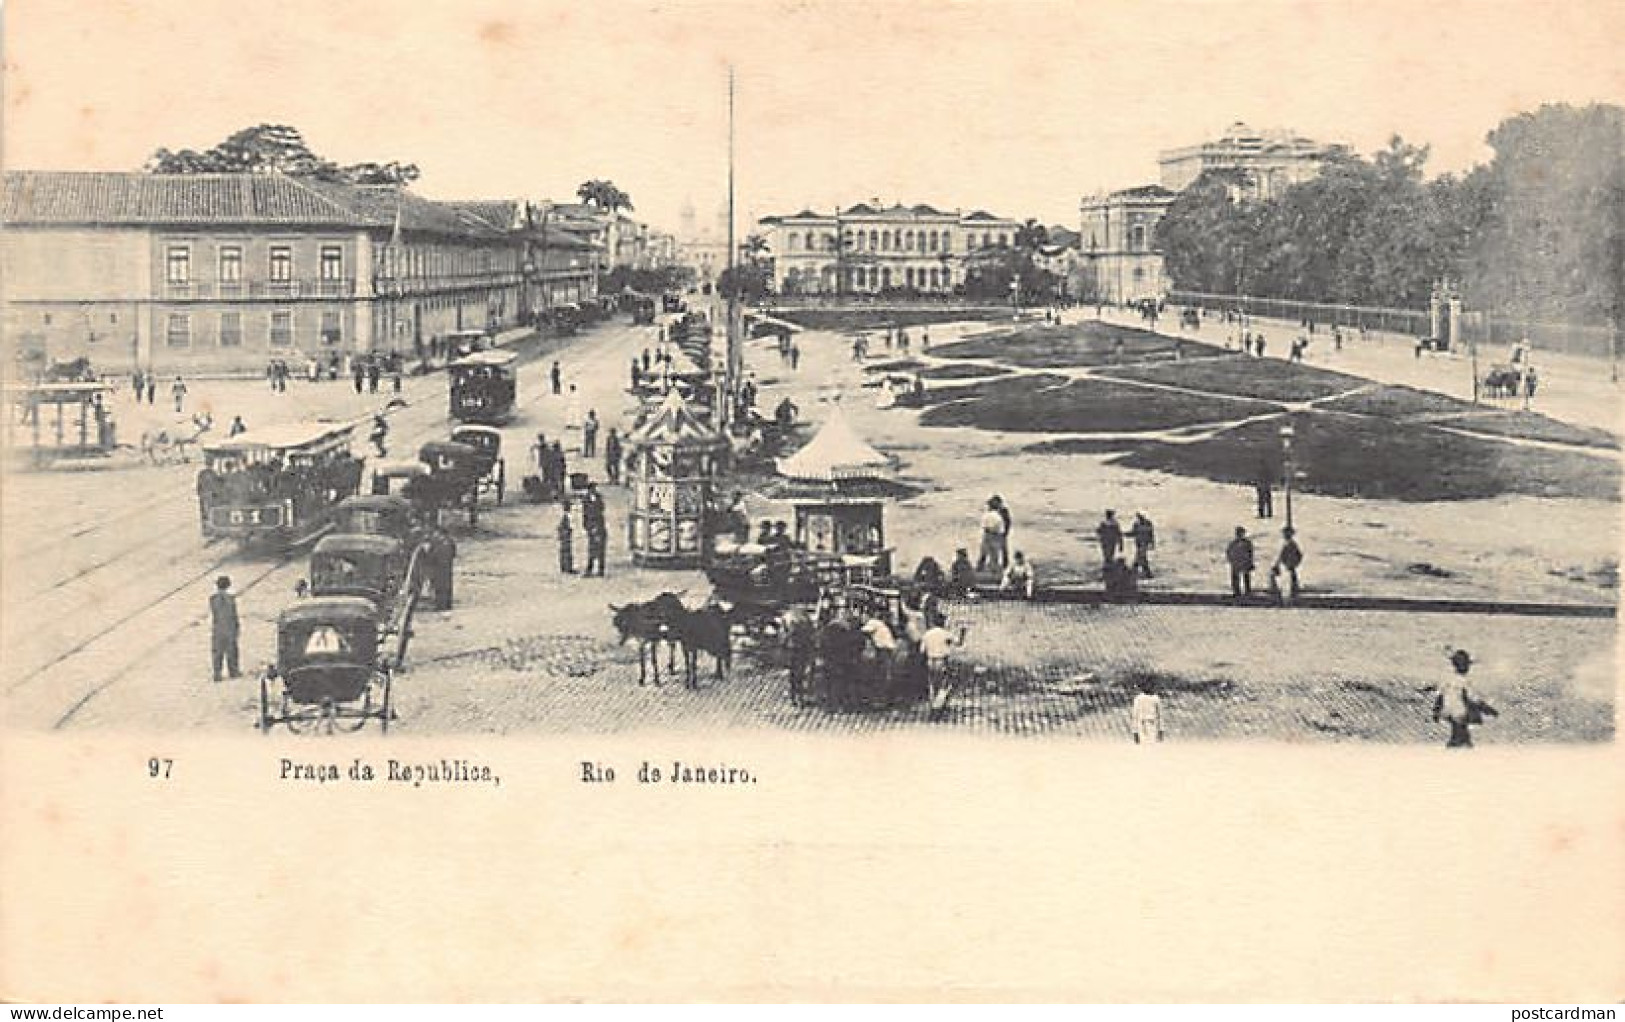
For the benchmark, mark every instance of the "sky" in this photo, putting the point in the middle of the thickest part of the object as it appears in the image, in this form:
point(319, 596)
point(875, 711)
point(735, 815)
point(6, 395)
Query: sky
point(1021, 108)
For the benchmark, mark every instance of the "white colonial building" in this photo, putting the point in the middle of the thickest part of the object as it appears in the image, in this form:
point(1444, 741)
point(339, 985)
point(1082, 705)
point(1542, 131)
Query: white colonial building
point(866, 249)
point(1271, 160)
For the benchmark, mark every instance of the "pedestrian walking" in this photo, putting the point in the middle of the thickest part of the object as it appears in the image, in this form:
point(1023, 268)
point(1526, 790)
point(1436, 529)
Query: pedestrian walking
point(991, 557)
point(795, 356)
point(358, 374)
point(589, 434)
point(556, 376)
point(567, 548)
point(237, 427)
point(1110, 535)
point(539, 453)
point(1239, 553)
point(152, 387)
point(1145, 714)
point(223, 629)
point(612, 456)
point(1144, 535)
point(1004, 514)
point(1458, 706)
point(1287, 562)
point(379, 435)
point(373, 372)
point(177, 390)
point(138, 385)
point(1263, 495)
point(925, 338)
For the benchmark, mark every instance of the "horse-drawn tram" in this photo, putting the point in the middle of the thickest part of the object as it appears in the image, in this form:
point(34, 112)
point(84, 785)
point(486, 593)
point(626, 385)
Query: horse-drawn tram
point(483, 387)
point(276, 485)
point(329, 671)
point(59, 420)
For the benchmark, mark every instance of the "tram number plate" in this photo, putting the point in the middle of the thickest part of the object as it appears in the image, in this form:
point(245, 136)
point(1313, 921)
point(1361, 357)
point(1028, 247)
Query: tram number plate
point(249, 517)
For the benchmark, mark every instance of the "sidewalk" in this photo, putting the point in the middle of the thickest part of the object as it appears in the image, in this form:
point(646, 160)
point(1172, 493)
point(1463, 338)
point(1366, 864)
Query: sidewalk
point(1573, 388)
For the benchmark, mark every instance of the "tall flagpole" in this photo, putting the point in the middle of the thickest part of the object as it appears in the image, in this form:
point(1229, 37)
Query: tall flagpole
point(735, 352)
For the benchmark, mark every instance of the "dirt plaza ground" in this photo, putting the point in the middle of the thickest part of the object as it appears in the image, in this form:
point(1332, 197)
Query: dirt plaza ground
point(529, 650)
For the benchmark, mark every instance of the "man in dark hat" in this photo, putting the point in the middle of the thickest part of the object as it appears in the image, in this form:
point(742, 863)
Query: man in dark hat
point(1110, 534)
point(1239, 553)
point(223, 629)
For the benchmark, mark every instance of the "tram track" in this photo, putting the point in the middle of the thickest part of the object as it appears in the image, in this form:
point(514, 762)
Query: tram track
point(108, 680)
point(416, 421)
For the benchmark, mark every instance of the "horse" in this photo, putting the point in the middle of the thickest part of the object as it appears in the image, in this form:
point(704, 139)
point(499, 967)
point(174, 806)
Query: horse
point(651, 623)
point(707, 630)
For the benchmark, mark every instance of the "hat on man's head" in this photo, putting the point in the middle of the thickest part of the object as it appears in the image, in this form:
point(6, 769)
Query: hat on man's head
point(1462, 659)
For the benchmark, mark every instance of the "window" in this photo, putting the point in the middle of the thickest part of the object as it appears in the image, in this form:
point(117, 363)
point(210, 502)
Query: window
point(231, 264)
point(885, 241)
point(332, 262)
point(1004, 241)
point(1136, 238)
point(231, 329)
point(179, 332)
point(178, 264)
point(281, 263)
point(874, 241)
point(332, 333)
point(281, 329)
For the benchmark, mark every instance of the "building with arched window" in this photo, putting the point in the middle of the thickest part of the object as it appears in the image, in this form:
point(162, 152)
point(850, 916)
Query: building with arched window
point(918, 249)
point(1118, 256)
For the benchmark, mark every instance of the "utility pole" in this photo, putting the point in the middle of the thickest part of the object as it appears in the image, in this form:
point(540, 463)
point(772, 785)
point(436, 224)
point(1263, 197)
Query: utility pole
point(735, 352)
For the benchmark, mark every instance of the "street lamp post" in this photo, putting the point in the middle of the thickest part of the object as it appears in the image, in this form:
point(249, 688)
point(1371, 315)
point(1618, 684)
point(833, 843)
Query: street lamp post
point(1286, 468)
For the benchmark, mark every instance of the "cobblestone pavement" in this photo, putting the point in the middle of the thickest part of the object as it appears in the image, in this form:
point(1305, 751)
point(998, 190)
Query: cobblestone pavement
point(1294, 676)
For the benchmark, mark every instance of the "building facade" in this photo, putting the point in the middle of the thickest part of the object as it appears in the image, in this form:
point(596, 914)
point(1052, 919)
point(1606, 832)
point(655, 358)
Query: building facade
point(1272, 160)
point(1118, 259)
point(222, 272)
point(869, 250)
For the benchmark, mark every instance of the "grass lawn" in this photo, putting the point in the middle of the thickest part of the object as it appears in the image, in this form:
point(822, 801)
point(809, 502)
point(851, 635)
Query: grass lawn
point(1241, 376)
point(1039, 346)
point(1049, 404)
point(1400, 402)
point(1342, 456)
point(1534, 426)
point(838, 320)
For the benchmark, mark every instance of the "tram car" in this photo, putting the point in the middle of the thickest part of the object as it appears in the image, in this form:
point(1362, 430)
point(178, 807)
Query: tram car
point(379, 569)
point(491, 470)
point(328, 673)
point(643, 310)
point(483, 387)
point(276, 485)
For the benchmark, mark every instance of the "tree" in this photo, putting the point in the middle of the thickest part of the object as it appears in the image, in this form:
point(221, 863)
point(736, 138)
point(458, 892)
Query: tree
point(603, 195)
point(274, 149)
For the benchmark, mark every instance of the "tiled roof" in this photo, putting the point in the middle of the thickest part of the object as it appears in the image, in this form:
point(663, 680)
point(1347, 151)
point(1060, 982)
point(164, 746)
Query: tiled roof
point(980, 214)
point(78, 197)
point(925, 210)
point(861, 209)
point(135, 199)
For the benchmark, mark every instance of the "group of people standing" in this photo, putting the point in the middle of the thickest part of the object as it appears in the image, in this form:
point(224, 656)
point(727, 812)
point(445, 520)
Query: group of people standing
point(1241, 556)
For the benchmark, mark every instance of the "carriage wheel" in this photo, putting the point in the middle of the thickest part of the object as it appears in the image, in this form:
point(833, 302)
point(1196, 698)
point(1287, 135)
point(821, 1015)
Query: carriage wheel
point(502, 479)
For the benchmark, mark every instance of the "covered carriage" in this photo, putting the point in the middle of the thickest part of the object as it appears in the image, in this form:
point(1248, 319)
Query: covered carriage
point(328, 671)
point(490, 469)
point(382, 570)
point(453, 481)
